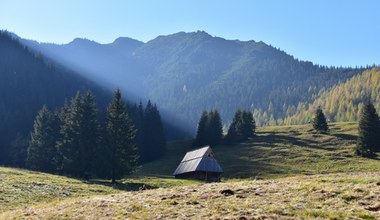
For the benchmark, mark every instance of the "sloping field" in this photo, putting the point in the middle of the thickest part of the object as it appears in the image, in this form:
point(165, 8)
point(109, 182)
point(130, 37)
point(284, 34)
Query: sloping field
point(333, 196)
point(280, 151)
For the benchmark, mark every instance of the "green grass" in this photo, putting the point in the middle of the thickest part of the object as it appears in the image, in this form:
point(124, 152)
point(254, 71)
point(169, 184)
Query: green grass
point(278, 152)
point(286, 156)
point(20, 188)
point(339, 196)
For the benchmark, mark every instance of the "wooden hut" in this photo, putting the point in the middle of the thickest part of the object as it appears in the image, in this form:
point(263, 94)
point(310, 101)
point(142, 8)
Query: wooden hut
point(199, 164)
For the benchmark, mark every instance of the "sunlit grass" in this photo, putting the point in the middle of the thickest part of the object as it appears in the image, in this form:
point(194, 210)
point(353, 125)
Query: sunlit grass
point(280, 151)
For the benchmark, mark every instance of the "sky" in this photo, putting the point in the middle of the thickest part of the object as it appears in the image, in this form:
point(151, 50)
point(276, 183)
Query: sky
point(326, 32)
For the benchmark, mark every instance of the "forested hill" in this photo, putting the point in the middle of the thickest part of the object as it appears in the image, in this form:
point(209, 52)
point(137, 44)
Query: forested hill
point(344, 101)
point(27, 82)
point(186, 73)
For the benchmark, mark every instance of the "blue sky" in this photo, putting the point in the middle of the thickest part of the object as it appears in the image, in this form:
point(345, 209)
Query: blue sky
point(328, 32)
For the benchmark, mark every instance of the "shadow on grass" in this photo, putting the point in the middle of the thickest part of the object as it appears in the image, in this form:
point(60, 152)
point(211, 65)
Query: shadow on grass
point(347, 137)
point(122, 186)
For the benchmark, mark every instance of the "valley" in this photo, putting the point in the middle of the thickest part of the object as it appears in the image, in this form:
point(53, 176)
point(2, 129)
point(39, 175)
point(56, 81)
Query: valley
point(283, 172)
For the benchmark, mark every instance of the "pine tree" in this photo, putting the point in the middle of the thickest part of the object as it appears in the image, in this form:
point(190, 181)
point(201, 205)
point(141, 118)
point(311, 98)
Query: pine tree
point(90, 135)
point(18, 151)
point(201, 138)
point(42, 146)
point(319, 121)
point(369, 129)
point(214, 128)
point(71, 143)
point(235, 130)
point(120, 132)
point(249, 125)
point(154, 142)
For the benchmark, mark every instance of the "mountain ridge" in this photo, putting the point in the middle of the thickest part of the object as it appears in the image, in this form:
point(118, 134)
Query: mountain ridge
point(186, 73)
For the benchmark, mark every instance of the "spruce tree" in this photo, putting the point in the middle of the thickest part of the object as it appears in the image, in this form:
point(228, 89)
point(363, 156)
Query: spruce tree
point(154, 142)
point(214, 128)
point(71, 143)
point(42, 146)
point(319, 121)
point(369, 130)
point(235, 130)
point(242, 127)
point(90, 135)
point(201, 138)
point(249, 125)
point(120, 139)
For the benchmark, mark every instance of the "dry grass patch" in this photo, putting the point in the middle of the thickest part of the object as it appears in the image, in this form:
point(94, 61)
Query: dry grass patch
point(334, 196)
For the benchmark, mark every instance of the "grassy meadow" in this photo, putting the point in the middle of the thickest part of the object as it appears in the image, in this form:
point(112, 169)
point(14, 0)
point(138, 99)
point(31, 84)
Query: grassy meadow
point(279, 151)
point(286, 172)
point(327, 196)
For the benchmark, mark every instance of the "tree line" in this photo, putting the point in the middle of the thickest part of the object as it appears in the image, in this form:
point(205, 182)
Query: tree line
point(73, 141)
point(210, 128)
point(368, 141)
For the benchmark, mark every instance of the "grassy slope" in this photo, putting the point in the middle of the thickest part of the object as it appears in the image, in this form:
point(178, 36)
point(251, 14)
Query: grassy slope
point(20, 188)
point(334, 196)
point(280, 151)
point(274, 152)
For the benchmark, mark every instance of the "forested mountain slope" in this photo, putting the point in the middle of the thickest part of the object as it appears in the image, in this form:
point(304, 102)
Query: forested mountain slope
point(344, 101)
point(27, 82)
point(186, 73)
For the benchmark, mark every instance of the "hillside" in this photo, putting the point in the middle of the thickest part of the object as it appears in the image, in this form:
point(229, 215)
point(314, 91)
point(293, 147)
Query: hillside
point(279, 151)
point(344, 101)
point(337, 196)
point(27, 82)
point(290, 172)
point(20, 188)
point(186, 73)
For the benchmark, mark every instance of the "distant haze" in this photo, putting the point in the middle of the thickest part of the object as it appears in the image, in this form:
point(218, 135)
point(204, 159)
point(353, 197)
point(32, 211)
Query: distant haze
point(338, 33)
point(186, 73)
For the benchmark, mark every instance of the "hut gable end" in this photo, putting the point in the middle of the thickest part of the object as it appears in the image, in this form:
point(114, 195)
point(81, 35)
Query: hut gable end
point(196, 162)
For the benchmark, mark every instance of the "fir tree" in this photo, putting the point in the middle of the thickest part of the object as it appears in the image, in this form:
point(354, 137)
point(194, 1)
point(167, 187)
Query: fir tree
point(249, 125)
point(319, 121)
point(90, 135)
point(201, 138)
point(71, 143)
point(369, 129)
point(235, 130)
point(242, 127)
point(120, 139)
point(18, 151)
point(214, 128)
point(42, 148)
point(153, 142)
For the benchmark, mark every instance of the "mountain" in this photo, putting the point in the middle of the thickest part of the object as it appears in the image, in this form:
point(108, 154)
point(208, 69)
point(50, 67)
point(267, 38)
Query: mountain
point(27, 82)
point(344, 101)
point(186, 73)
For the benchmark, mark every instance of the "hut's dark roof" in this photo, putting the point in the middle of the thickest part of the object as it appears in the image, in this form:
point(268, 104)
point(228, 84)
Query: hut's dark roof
point(198, 160)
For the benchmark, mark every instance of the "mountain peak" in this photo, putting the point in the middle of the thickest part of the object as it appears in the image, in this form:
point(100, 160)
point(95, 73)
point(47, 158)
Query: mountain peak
point(81, 41)
point(125, 41)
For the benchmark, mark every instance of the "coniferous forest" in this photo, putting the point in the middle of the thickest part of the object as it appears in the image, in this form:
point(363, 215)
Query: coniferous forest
point(31, 84)
point(71, 140)
point(276, 90)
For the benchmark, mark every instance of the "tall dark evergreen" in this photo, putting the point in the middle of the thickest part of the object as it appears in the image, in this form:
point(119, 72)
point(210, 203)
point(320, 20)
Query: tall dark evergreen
point(369, 129)
point(249, 125)
point(154, 142)
point(90, 135)
point(42, 146)
point(201, 138)
point(242, 127)
point(210, 129)
point(215, 128)
point(120, 139)
point(71, 144)
point(319, 121)
point(18, 151)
